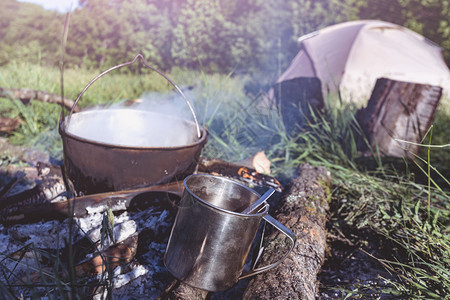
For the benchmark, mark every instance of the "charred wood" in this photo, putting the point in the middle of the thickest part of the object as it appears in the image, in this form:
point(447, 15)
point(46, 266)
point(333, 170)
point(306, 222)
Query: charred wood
point(48, 185)
point(117, 254)
point(238, 171)
point(37, 203)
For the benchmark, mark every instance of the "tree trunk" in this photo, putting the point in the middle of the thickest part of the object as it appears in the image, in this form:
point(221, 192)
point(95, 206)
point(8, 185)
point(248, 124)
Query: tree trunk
point(303, 210)
point(398, 111)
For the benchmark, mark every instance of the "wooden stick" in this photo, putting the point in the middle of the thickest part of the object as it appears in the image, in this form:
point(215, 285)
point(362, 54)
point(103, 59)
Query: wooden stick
point(26, 95)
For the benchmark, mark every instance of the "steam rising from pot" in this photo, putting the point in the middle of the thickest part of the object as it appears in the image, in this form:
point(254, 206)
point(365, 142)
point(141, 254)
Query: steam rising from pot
point(153, 121)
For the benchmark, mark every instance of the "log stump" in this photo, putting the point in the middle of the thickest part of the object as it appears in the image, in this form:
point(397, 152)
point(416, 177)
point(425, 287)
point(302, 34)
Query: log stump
point(398, 111)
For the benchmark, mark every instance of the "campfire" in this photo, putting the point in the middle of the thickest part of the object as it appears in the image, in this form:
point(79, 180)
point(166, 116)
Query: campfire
point(91, 227)
point(121, 216)
point(126, 242)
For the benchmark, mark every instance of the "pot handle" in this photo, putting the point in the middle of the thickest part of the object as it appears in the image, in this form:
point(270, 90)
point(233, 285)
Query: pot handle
point(141, 57)
point(284, 230)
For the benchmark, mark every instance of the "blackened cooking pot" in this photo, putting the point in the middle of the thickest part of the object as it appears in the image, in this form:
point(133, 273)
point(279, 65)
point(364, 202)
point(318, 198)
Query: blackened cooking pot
point(119, 149)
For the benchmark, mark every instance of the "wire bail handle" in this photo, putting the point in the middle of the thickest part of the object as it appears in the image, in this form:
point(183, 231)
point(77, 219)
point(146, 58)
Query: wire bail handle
point(141, 57)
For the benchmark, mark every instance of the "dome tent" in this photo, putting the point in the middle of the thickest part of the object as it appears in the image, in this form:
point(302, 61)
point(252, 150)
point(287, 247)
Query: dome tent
point(350, 57)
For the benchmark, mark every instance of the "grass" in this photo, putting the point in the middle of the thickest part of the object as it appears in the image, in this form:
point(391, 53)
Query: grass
point(409, 217)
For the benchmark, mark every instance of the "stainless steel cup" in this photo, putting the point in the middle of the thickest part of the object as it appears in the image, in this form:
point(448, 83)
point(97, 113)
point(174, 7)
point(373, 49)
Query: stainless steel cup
point(210, 239)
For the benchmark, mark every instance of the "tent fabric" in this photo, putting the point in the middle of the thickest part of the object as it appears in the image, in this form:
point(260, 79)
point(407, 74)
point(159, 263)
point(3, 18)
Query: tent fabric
point(350, 57)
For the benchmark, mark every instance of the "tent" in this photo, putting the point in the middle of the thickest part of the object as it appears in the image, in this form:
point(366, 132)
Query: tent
point(350, 57)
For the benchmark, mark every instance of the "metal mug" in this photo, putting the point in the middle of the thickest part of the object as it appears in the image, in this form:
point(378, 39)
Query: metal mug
point(211, 238)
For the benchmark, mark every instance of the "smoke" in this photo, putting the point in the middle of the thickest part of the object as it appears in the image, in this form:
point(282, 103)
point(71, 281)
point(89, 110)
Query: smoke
point(154, 120)
point(169, 103)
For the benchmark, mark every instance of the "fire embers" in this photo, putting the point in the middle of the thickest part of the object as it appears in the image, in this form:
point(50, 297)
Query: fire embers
point(255, 178)
point(243, 172)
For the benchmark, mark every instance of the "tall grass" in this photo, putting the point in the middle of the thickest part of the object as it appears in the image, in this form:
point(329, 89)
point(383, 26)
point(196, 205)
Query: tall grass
point(411, 216)
point(387, 201)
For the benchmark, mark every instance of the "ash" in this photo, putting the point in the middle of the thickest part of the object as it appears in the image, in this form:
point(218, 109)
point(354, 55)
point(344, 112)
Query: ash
point(149, 277)
point(24, 249)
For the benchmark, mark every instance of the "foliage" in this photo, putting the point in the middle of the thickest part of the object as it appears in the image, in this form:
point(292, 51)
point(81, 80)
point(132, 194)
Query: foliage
point(28, 33)
point(52, 272)
point(410, 220)
point(440, 156)
point(241, 38)
point(221, 35)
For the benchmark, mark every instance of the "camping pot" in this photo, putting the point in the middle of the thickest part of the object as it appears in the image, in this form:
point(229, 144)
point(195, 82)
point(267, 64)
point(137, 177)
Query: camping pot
point(211, 237)
point(119, 149)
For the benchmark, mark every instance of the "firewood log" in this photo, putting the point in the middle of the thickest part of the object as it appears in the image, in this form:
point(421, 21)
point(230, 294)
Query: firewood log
point(303, 210)
point(239, 172)
point(35, 204)
point(115, 255)
point(178, 290)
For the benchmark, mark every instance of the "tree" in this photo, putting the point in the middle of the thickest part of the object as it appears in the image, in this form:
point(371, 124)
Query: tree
point(243, 36)
point(28, 33)
point(104, 33)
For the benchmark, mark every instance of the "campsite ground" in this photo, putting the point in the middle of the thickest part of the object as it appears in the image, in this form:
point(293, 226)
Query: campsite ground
point(388, 223)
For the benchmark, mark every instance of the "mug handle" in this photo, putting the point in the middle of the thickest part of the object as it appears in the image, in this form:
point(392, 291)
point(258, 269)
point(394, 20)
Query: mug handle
point(284, 230)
